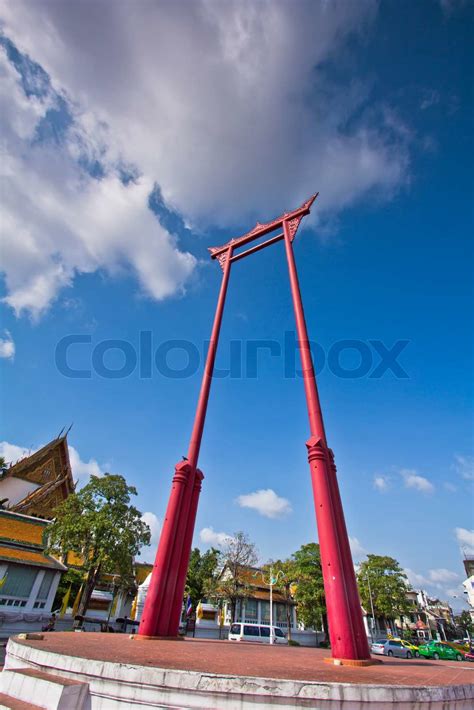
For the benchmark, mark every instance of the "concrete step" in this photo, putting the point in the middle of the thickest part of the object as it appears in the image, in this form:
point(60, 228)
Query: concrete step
point(49, 691)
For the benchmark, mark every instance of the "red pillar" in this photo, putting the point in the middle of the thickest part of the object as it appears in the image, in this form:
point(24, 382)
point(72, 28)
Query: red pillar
point(342, 598)
point(165, 594)
point(175, 612)
point(165, 564)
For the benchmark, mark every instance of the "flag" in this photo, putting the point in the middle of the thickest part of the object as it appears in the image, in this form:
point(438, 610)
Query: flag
point(113, 608)
point(189, 605)
point(199, 611)
point(65, 603)
point(3, 579)
point(77, 600)
point(133, 610)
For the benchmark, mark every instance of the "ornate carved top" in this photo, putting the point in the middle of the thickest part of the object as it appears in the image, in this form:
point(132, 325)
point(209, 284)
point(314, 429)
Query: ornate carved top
point(292, 218)
point(50, 469)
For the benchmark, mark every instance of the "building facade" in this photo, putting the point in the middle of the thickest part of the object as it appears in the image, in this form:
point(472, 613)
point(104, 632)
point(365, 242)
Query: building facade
point(468, 583)
point(29, 577)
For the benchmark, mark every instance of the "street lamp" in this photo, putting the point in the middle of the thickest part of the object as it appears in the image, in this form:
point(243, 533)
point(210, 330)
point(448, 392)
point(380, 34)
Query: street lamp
point(374, 621)
point(270, 581)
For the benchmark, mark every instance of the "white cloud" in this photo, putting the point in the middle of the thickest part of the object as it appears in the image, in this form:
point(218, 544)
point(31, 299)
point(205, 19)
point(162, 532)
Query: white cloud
point(266, 502)
point(238, 118)
point(357, 549)
point(431, 97)
point(417, 581)
point(382, 483)
point(466, 540)
point(419, 483)
point(7, 346)
point(81, 470)
point(449, 7)
point(217, 539)
point(58, 221)
point(464, 466)
point(442, 576)
point(13, 453)
point(434, 582)
point(148, 553)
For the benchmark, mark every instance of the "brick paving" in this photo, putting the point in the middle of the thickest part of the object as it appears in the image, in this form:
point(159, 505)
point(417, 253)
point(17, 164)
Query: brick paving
point(247, 659)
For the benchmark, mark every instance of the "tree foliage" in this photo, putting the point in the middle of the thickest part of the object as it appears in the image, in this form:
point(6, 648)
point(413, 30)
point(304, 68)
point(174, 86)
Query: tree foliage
point(236, 556)
point(464, 621)
point(201, 573)
point(309, 592)
point(388, 586)
point(99, 524)
point(72, 579)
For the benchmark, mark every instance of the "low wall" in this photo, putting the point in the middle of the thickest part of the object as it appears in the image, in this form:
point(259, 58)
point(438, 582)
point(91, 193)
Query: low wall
point(119, 686)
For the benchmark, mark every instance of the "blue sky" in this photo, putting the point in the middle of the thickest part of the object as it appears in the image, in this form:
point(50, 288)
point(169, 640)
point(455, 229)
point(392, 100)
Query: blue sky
point(135, 140)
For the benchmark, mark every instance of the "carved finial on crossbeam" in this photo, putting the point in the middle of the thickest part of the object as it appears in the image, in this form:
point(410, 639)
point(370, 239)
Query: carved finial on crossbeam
point(292, 218)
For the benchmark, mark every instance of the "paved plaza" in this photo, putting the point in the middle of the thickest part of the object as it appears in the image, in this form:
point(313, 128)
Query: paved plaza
point(247, 659)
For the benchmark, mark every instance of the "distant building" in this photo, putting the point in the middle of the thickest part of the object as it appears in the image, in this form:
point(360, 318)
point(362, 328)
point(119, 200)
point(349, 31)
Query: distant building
point(38, 483)
point(427, 619)
point(30, 490)
point(254, 603)
point(468, 583)
point(29, 577)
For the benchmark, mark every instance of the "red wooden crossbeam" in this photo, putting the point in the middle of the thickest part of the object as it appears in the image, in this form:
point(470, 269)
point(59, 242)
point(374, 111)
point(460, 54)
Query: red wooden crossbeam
point(293, 218)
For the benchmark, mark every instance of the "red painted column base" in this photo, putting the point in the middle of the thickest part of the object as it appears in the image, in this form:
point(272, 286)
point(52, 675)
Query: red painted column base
point(346, 629)
point(353, 662)
point(160, 618)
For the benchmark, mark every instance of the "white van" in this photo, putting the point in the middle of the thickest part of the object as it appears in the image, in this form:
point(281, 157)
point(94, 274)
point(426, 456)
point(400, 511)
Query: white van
point(260, 633)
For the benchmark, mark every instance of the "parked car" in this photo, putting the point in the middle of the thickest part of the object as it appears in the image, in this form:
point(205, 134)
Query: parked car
point(391, 647)
point(259, 633)
point(411, 647)
point(469, 656)
point(395, 647)
point(438, 649)
point(378, 646)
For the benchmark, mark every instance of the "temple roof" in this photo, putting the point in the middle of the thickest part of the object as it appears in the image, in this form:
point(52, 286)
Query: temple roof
point(49, 469)
point(29, 557)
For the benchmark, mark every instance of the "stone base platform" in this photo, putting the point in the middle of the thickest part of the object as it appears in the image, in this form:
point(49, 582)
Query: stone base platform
point(120, 673)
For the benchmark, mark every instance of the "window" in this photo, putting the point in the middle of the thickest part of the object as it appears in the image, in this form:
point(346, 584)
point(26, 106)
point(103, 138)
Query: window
point(251, 631)
point(279, 633)
point(265, 631)
point(45, 585)
point(251, 609)
point(235, 629)
point(265, 611)
point(209, 615)
point(281, 613)
point(19, 581)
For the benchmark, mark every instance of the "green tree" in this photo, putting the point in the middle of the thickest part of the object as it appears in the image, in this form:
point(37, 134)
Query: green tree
point(285, 575)
point(73, 578)
point(201, 574)
point(388, 586)
point(100, 525)
point(309, 592)
point(235, 558)
point(464, 621)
